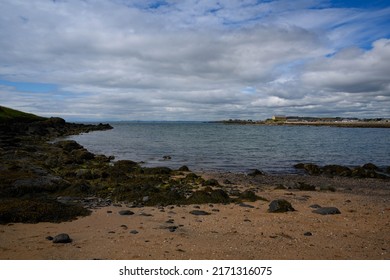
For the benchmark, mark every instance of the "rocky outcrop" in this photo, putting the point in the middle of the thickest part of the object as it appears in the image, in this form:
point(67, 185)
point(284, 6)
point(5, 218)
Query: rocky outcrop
point(368, 170)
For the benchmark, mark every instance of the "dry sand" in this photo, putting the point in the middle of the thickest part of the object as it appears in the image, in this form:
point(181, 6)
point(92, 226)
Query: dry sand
point(361, 231)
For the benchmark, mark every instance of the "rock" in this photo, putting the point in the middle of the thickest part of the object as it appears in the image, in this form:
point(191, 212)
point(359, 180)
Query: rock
point(199, 213)
point(246, 205)
point(184, 168)
point(370, 166)
point(50, 238)
point(69, 145)
point(125, 213)
point(338, 170)
point(280, 206)
point(62, 238)
point(307, 233)
point(255, 172)
point(327, 211)
point(310, 168)
point(172, 228)
point(133, 231)
point(248, 195)
point(315, 206)
point(302, 186)
point(211, 182)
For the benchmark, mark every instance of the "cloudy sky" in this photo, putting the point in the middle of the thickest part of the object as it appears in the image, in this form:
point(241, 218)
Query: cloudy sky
point(195, 59)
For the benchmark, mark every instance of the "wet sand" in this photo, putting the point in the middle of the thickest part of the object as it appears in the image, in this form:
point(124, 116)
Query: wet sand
point(361, 231)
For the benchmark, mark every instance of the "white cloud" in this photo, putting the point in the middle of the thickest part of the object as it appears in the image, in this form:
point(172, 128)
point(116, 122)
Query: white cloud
point(121, 59)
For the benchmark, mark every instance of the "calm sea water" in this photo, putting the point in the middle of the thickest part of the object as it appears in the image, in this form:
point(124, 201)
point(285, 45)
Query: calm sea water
point(239, 148)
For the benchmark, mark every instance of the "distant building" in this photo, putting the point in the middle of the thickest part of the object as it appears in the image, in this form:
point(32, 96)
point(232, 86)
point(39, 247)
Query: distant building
point(279, 118)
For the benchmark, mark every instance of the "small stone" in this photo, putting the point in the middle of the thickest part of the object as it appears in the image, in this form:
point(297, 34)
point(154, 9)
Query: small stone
point(246, 205)
point(170, 221)
point(125, 212)
point(307, 233)
point(327, 211)
point(133, 231)
point(172, 228)
point(62, 238)
point(280, 206)
point(145, 214)
point(199, 213)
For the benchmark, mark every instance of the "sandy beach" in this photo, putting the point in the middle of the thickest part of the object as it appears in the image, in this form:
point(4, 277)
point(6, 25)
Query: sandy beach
point(232, 231)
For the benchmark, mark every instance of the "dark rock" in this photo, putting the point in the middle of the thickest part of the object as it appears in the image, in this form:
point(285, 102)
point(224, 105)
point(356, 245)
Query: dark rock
point(172, 228)
point(307, 233)
point(248, 195)
point(211, 182)
point(310, 168)
point(305, 187)
point(199, 213)
point(327, 211)
point(146, 214)
point(255, 172)
point(245, 205)
point(133, 231)
point(69, 145)
point(315, 206)
point(62, 238)
point(184, 168)
point(370, 166)
point(280, 206)
point(125, 213)
point(338, 170)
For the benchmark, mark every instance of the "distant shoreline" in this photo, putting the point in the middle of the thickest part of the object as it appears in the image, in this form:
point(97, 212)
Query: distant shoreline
point(358, 124)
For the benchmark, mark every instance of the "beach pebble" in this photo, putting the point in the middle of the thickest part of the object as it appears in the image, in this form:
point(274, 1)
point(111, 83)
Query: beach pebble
point(327, 211)
point(315, 206)
point(199, 213)
point(62, 238)
point(280, 206)
point(125, 212)
point(246, 205)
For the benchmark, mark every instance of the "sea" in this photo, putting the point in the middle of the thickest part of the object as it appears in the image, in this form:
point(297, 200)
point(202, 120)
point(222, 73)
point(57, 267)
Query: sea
point(239, 148)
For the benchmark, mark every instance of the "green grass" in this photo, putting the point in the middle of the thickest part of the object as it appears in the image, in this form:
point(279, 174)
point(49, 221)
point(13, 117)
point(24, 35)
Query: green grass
point(11, 115)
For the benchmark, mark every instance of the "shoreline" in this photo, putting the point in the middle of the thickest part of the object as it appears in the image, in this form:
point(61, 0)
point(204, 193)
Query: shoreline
point(237, 224)
point(231, 231)
point(359, 124)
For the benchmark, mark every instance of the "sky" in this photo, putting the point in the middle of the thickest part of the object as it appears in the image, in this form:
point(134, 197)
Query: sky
point(195, 60)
